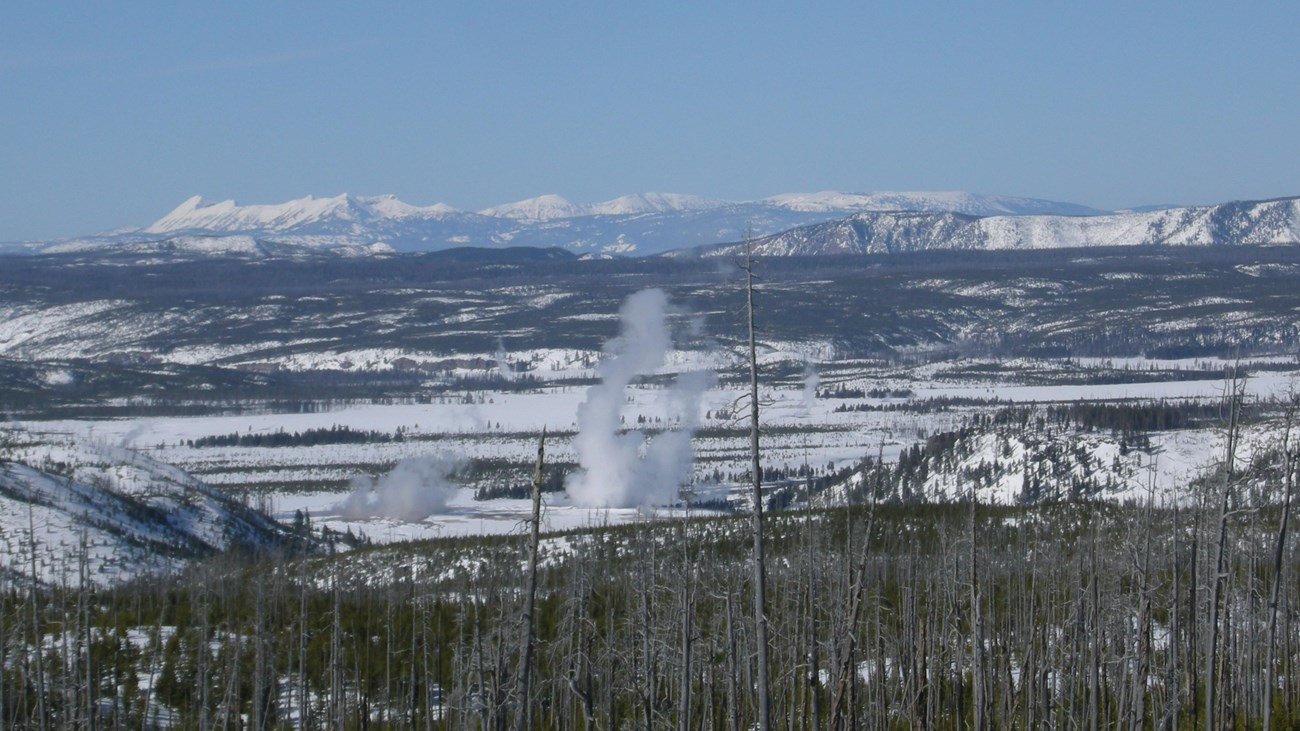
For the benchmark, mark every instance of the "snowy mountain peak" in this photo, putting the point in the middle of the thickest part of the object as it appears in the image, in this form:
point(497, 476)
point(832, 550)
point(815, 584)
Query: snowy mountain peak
point(550, 207)
point(191, 204)
point(197, 214)
point(541, 208)
point(389, 206)
point(639, 203)
point(336, 213)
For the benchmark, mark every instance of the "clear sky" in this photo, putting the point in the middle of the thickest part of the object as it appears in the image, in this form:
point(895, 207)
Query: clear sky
point(113, 113)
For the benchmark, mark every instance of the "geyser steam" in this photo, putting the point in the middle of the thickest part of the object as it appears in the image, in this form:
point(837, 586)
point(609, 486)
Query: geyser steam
point(503, 367)
point(810, 383)
point(415, 489)
point(629, 470)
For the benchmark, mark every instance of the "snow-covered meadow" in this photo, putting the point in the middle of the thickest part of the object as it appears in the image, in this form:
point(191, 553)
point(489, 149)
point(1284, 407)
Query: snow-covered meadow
point(501, 428)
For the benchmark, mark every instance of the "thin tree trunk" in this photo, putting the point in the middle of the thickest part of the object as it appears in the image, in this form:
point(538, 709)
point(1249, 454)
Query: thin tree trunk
point(687, 629)
point(304, 715)
point(87, 638)
point(977, 624)
point(733, 684)
point(1137, 716)
point(204, 657)
point(1092, 635)
point(1279, 551)
point(338, 703)
point(1236, 390)
point(36, 624)
point(760, 571)
point(523, 676)
point(843, 702)
point(814, 656)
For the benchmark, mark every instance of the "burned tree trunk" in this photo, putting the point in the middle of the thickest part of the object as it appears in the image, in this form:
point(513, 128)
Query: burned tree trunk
point(523, 676)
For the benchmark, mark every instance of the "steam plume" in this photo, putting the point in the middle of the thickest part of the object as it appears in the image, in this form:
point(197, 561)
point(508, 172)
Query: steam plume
point(415, 489)
point(504, 368)
point(627, 470)
point(810, 382)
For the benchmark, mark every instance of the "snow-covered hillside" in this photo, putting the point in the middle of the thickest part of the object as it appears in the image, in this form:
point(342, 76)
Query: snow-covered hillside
point(67, 502)
point(1249, 222)
point(1024, 464)
point(943, 201)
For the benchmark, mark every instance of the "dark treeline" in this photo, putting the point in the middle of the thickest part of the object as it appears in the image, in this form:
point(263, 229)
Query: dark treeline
point(878, 392)
point(1117, 418)
point(933, 405)
point(308, 438)
point(1158, 416)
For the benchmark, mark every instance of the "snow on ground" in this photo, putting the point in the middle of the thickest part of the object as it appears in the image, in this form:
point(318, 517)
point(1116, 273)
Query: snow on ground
point(71, 503)
point(501, 427)
point(23, 327)
point(496, 426)
point(464, 516)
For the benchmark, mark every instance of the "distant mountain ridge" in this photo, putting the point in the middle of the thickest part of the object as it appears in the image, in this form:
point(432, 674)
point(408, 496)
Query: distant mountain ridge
point(938, 202)
point(343, 213)
point(1274, 221)
point(655, 223)
point(639, 224)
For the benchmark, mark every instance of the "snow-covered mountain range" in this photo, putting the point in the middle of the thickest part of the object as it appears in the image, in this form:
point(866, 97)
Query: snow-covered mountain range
point(652, 223)
point(1249, 222)
point(640, 224)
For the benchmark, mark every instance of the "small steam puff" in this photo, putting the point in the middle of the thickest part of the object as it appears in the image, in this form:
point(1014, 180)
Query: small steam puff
point(415, 489)
point(503, 367)
point(628, 470)
point(810, 382)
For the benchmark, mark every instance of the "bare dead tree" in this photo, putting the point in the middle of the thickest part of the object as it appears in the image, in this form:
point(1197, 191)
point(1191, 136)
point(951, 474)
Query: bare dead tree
point(842, 703)
point(1289, 458)
point(36, 622)
point(523, 675)
point(814, 656)
point(1137, 715)
point(756, 473)
point(1235, 393)
point(977, 623)
point(733, 680)
point(687, 628)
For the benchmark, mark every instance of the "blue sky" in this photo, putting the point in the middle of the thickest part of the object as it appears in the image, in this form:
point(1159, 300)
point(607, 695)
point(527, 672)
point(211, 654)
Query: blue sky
point(114, 113)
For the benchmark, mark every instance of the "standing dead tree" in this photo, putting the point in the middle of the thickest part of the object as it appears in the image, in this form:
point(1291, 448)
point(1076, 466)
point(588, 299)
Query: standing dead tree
point(1235, 394)
point(523, 676)
point(756, 473)
point(1290, 455)
point(979, 688)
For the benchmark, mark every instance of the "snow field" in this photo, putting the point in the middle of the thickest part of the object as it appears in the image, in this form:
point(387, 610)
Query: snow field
point(502, 427)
